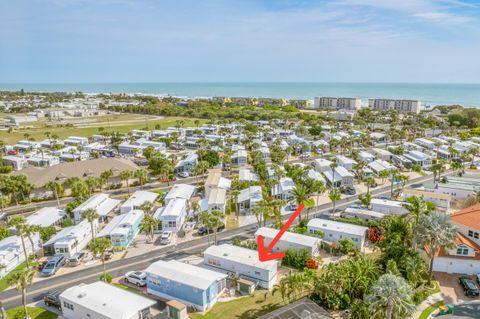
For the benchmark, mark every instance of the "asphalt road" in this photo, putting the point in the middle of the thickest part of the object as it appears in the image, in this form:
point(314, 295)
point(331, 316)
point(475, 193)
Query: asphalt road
point(11, 298)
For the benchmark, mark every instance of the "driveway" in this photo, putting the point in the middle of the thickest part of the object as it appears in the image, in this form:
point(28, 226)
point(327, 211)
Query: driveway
point(451, 289)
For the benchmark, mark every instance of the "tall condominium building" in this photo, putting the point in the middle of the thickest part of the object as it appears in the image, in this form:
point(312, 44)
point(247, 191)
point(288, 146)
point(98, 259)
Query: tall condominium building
point(339, 103)
point(410, 106)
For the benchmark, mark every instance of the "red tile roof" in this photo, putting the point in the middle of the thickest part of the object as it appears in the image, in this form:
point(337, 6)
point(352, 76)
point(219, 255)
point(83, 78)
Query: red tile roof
point(469, 217)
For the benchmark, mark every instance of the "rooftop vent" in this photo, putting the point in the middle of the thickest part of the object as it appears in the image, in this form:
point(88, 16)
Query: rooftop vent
point(82, 294)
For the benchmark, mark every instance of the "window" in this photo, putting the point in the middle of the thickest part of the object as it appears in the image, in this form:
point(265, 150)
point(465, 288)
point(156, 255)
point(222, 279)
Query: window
point(68, 305)
point(473, 234)
point(462, 251)
point(257, 273)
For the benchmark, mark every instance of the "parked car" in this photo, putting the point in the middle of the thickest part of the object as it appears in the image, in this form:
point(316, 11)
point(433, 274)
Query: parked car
point(54, 264)
point(52, 299)
point(166, 238)
point(137, 278)
point(470, 289)
point(203, 230)
point(184, 174)
point(349, 191)
point(76, 259)
point(478, 278)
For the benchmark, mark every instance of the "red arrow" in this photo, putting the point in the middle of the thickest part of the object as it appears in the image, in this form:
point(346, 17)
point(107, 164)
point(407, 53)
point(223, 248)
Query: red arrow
point(265, 254)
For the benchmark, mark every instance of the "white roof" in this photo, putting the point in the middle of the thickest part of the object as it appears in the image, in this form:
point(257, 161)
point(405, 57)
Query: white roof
point(107, 300)
point(313, 174)
point(46, 216)
point(184, 191)
point(240, 255)
point(217, 196)
point(294, 238)
point(252, 193)
point(68, 234)
point(140, 197)
point(121, 223)
point(245, 174)
point(322, 162)
point(173, 208)
point(102, 204)
point(186, 274)
point(340, 172)
point(332, 225)
point(386, 202)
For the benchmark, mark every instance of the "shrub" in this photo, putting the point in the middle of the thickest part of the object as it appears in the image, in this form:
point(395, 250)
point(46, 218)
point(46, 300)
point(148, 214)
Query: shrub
point(296, 260)
point(347, 246)
point(108, 277)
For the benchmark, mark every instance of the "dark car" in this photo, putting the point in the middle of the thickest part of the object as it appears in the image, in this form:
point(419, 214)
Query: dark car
point(349, 191)
point(52, 299)
point(469, 287)
point(203, 230)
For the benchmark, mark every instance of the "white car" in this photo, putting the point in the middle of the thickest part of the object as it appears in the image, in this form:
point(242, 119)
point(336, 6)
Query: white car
point(184, 174)
point(137, 278)
point(166, 238)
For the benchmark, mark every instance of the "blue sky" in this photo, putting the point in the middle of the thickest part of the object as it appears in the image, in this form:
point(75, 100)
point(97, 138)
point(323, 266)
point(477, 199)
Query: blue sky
point(243, 40)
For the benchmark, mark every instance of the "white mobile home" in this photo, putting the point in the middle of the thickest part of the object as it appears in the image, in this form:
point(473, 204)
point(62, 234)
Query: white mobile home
point(290, 240)
point(183, 191)
point(243, 262)
point(441, 201)
point(172, 215)
point(364, 214)
point(248, 198)
point(382, 154)
point(137, 200)
point(322, 165)
point(100, 300)
point(335, 231)
point(284, 189)
point(70, 240)
point(345, 162)
point(12, 254)
point(101, 203)
point(47, 216)
point(388, 207)
point(340, 177)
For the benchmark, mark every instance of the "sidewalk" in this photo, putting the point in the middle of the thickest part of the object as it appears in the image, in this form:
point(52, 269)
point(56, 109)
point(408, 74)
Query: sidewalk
point(436, 297)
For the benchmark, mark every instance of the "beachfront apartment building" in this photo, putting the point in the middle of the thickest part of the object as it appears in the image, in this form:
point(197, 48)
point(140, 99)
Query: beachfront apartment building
point(339, 103)
point(243, 262)
point(100, 300)
point(408, 106)
point(194, 286)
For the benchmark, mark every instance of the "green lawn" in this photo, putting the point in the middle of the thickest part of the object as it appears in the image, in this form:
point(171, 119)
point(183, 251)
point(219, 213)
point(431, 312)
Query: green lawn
point(117, 122)
point(247, 307)
point(429, 310)
point(135, 291)
point(3, 281)
point(34, 313)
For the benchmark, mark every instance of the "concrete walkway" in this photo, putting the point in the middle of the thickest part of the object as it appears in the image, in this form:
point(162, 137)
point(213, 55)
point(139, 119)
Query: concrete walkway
point(436, 297)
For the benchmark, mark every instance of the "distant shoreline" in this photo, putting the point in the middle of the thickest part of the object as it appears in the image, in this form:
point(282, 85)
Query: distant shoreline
point(431, 94)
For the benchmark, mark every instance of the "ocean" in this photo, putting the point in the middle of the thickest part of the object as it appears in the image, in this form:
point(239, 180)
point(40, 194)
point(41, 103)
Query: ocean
point(429, 94)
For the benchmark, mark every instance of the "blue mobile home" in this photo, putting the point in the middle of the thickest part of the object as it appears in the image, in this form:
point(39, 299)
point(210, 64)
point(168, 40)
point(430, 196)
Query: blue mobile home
point(194, 286)
point(123, 228)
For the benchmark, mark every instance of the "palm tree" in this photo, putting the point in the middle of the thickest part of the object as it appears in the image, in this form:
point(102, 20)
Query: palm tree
point(384, 175)
point(19, 223)
point(21, 280)
point(148, 226)
point(142, 176)
point(436, 232)
point(91, 215)
point(417, 207)
point(125, 176)
point(369, 182)
point(216, 222)
point(29, 231)
point(206, 220)
point(301, 195)
point(3, 313)
point(391, 296)
point(333, 166)
point(56, 188)
point(334, 196)
point(100, 246)
point(105, 175)
point(147, 207)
